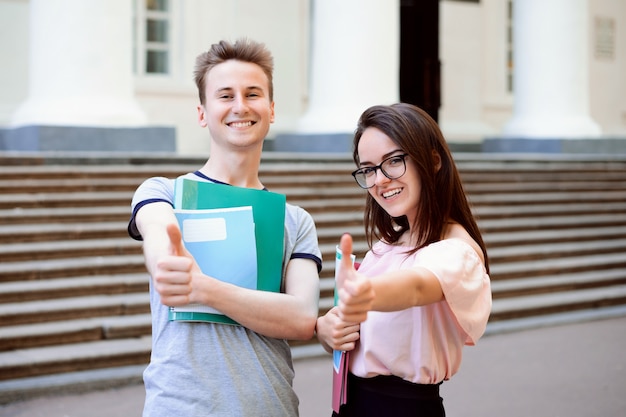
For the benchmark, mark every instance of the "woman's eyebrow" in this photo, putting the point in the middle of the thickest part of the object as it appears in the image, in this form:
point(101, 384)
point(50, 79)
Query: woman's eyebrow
point(385, 156)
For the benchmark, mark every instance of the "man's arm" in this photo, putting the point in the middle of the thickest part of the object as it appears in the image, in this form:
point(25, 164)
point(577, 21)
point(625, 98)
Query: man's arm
point(179, 281)
point(290, 315)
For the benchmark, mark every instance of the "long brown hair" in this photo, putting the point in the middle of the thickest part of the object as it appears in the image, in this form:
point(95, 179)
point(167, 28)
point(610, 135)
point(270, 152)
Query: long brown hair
point(442, 196)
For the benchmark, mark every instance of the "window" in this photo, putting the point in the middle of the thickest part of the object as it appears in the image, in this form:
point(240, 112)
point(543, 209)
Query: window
point(604, 39)
point(509, 47)
point(152, 33)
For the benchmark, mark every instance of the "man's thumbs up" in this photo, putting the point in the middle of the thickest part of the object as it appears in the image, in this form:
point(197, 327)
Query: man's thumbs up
point(176, 240)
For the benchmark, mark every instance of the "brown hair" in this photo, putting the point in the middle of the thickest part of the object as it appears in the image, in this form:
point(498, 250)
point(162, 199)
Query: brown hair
point(244, 50)
point(442, 196)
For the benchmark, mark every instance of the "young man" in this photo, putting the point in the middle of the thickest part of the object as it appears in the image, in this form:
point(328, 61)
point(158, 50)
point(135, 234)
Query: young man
point(209, 369)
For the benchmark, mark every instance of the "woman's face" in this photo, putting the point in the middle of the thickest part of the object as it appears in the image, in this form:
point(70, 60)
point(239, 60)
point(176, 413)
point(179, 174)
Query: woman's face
point(400, 196)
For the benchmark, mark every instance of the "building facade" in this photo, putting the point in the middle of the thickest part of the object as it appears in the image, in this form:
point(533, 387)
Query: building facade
point(507, 70)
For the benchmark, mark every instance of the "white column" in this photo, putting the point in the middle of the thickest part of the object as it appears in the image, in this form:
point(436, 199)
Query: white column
point(355, 62)
point(551, 70)
point(80, 65)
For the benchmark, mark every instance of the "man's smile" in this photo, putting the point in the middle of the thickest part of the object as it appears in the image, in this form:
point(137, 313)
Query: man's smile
point(240, 124)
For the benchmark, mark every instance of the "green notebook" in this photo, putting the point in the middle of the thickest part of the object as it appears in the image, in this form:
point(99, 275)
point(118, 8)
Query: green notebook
point(268, 216)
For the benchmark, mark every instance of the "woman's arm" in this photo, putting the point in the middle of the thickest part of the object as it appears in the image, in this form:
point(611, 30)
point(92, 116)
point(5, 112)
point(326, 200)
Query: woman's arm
point(391, 291)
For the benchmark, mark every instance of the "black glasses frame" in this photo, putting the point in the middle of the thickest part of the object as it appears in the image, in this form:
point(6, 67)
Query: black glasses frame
point(363, 171)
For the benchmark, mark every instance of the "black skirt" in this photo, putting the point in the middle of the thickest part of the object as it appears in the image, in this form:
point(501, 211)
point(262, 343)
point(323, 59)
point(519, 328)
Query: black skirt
point(384, 396)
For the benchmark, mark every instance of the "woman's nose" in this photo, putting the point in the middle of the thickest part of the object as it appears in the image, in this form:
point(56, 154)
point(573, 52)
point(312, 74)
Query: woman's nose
point(381, 178)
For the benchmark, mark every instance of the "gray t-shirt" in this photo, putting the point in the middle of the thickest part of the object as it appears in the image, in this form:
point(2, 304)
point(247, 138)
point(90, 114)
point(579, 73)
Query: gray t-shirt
point(208, 369)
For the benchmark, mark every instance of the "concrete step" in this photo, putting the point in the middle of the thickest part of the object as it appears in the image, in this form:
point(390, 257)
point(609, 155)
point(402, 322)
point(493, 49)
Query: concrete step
point(542, 210)
point(103, 305)
point(58, 249)
point(560, 265)
point(555, 302)
point(20, 291)
point(550, 197)
point(543, 186)
point(69, 199)
point(558, 282)
point(23, 363)
point(63, 215)
point(563, 222)
point(63, 268)
point(524, 237)
point(74, 331)
point(70, 383)
point(556, 250)
point(65, 185)
point(516, 164)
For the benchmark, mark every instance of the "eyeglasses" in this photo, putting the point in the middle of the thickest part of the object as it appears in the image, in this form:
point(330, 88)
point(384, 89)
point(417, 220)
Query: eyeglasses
point(392, 168)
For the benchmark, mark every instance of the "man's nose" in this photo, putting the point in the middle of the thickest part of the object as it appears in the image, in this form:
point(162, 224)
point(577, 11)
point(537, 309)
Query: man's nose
point(240, 105)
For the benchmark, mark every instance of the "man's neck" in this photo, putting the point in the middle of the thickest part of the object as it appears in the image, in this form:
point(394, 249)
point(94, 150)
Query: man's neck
point(238, 169)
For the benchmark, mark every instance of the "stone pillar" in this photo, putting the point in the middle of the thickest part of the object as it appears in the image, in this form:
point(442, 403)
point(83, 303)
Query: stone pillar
point(80, 65)
point(551, 76)
point(354, 62)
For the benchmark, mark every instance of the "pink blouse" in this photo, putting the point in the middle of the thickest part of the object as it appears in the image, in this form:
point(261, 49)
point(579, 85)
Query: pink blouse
point(424, 344)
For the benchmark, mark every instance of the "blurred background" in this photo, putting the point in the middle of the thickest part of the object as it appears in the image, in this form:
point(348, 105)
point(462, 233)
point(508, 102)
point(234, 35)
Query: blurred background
point(485, 69)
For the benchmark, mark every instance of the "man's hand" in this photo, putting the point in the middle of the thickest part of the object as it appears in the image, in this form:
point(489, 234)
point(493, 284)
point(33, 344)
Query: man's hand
point(173, 276)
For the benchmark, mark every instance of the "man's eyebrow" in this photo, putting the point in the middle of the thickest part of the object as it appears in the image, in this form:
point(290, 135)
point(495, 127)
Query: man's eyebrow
point(230, 89)
point(255, 88)
point(223, 90)
point(385, 156)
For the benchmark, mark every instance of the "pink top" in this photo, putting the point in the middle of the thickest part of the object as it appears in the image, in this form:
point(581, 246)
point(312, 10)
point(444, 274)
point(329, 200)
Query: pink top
point(424, 344)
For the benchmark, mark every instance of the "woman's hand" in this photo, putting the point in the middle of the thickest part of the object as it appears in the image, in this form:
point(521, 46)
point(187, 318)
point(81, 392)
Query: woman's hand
point(335, 334)
point(356, 293)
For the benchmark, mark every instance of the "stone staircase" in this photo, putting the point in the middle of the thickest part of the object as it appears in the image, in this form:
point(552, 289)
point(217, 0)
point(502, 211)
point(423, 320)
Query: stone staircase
point(74, 304)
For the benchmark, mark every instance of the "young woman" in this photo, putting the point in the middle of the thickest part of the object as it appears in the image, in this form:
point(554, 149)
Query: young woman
point(422, 292)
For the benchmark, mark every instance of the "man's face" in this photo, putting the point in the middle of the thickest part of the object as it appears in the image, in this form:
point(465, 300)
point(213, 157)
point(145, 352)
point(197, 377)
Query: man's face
point(237, 110)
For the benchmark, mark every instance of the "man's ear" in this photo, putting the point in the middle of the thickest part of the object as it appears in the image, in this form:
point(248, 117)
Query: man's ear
point(201, 116)
point(436, 160)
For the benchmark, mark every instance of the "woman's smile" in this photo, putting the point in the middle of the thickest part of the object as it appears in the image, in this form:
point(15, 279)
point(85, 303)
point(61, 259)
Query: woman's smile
point(391, 193)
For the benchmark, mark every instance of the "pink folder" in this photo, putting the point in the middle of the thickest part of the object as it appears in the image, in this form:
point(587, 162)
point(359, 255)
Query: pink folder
point(340, 378)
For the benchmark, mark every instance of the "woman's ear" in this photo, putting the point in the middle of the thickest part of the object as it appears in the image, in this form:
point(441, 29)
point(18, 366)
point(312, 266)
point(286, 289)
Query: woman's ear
point(436, 160)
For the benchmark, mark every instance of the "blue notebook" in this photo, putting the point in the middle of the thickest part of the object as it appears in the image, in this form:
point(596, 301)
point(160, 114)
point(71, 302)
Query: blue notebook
point(235, 234)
